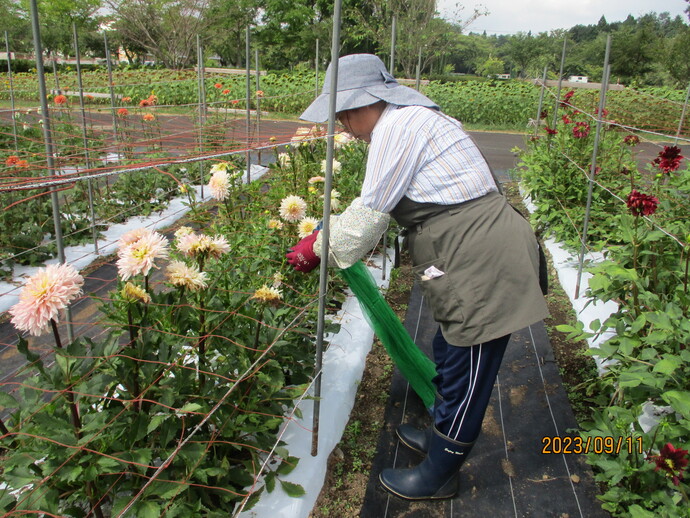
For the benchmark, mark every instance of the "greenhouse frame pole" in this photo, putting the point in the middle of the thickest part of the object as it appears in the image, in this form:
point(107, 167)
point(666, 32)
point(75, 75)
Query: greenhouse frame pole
point(11, 85)
point(84, 136)
point(111, 89)
point(680, 123)
point(257, 130)
point(541, 102)
point(48, 140)
point(593, 167)
point(418, 80)
point(394, 30)
point(201, 83)
point(325, 231)
point(249, 115)
point(316, 69)
point(560, 82)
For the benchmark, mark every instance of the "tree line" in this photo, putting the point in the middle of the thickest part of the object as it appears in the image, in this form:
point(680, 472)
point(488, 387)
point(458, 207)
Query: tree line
point(649, 50)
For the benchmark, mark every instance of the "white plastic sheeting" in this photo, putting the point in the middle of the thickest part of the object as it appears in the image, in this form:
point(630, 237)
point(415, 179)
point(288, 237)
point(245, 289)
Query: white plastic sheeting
point(343, 366)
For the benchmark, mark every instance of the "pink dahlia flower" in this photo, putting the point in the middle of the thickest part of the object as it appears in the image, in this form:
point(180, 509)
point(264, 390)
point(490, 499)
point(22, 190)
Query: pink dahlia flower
point(139, 257)
point(44, 295)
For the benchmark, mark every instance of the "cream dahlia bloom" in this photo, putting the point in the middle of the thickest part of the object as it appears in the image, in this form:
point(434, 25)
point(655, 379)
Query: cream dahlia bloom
point(293, 208)
point(200, 245)
point(336, 166)
point(139, 257)
point(274, 224)
point(277, 280)
point(183, 231)
point(182, 275)
point(43, 296)
point(306, 227)
point(219, 185)
point(268, 295)
point(341, 140)
point(284, 159)
point(316, 179)
point(133, 293)
point(132, 236)
point(335, 200)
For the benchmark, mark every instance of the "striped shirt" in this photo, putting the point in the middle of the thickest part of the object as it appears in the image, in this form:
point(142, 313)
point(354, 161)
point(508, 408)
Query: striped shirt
point(422, 154)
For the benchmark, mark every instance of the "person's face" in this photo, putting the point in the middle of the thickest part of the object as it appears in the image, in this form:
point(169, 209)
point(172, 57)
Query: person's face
point(360, 122)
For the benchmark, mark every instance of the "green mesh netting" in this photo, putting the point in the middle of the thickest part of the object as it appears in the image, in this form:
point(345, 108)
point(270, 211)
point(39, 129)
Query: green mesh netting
point(414, 365)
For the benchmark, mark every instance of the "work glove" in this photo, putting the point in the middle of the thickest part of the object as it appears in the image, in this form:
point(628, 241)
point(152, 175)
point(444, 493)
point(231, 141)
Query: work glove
point(302, 256)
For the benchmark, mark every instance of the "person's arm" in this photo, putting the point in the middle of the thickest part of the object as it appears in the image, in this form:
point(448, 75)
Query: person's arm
point(352, 234)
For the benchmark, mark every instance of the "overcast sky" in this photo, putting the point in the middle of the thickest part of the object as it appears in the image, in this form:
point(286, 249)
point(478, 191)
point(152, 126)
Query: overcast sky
point(511, 16)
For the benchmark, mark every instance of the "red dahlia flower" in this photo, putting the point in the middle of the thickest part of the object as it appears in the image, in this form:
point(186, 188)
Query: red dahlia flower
point(60, 99)
point(550, 131)
point(641, 204)
point(631, 140)
point(668, 159)
point(566, 99)
point(671, 460)
point(581, 130)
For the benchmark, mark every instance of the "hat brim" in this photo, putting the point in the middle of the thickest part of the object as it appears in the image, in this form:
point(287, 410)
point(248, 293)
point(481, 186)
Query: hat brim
point(360, 97)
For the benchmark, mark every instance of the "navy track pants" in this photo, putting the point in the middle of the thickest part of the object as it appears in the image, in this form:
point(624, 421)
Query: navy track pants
point(465, 378)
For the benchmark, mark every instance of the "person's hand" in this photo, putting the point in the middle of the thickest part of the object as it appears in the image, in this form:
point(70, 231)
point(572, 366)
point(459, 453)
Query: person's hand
point(302, 256)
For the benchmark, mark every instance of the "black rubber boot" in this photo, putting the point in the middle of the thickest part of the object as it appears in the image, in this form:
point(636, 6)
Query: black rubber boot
point(436, 477)
point(414, 438)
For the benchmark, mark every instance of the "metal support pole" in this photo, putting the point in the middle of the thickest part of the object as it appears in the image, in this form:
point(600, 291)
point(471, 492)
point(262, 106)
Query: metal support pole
point(55, 73)
point(418, 80)
point(112, 92)
point(325, 231)
point(682, 115)
point(316, 68)
point(11, 85)
point(249, 99)
point(593, 167)
point(560, 81)
point(202, 107)
point(391, 67)
point(47, 136)
point(541, 102)
point(257, 130)
point(84, 136)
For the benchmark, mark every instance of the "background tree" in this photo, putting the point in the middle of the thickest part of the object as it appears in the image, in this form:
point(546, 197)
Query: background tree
point(56, 18)
point(167, 29)
point(226, 33)
point(16, 22)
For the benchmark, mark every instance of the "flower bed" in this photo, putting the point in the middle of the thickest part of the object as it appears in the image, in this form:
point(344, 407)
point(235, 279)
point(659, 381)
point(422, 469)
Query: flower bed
point(174, 408)
point(639, 221)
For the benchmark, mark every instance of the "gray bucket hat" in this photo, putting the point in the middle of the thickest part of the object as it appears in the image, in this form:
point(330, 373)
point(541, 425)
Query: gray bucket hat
point(362, 80)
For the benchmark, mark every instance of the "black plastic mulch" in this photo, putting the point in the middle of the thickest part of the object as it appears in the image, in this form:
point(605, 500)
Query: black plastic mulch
point(506, 474)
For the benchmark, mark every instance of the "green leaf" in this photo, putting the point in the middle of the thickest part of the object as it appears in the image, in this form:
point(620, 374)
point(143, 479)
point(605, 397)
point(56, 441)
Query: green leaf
point(635, 511)
point(291, 489)
point(287, 465)
point(679, 400)
point(148, 510)
point(669, 364)
point(7, 401)
point(190, 407)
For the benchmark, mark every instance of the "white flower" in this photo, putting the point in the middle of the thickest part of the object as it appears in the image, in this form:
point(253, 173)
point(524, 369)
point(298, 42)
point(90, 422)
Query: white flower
point(293, 208)
point(306, 227)
point(219, 184)
point(284, 159)
point(336, 166)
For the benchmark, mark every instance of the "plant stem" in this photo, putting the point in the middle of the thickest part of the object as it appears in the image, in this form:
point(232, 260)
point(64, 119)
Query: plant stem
point(202, 342)
point(56, 334)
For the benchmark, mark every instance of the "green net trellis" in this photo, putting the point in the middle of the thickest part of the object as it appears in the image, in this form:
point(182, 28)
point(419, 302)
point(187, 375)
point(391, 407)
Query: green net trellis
point(414, 365)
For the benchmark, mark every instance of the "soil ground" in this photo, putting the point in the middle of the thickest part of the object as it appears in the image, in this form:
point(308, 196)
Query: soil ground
point(349, 465)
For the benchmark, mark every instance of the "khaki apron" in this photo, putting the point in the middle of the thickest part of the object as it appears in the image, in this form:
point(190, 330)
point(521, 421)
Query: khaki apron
point(485, 280)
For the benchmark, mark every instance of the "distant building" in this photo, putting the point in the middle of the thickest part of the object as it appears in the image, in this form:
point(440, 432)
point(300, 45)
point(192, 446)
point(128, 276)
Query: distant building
point(578, 79)
point(502, 76)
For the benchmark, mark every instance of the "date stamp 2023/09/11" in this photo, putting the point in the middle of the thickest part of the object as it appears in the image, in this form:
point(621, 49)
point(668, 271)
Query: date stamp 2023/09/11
point(599, 445)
